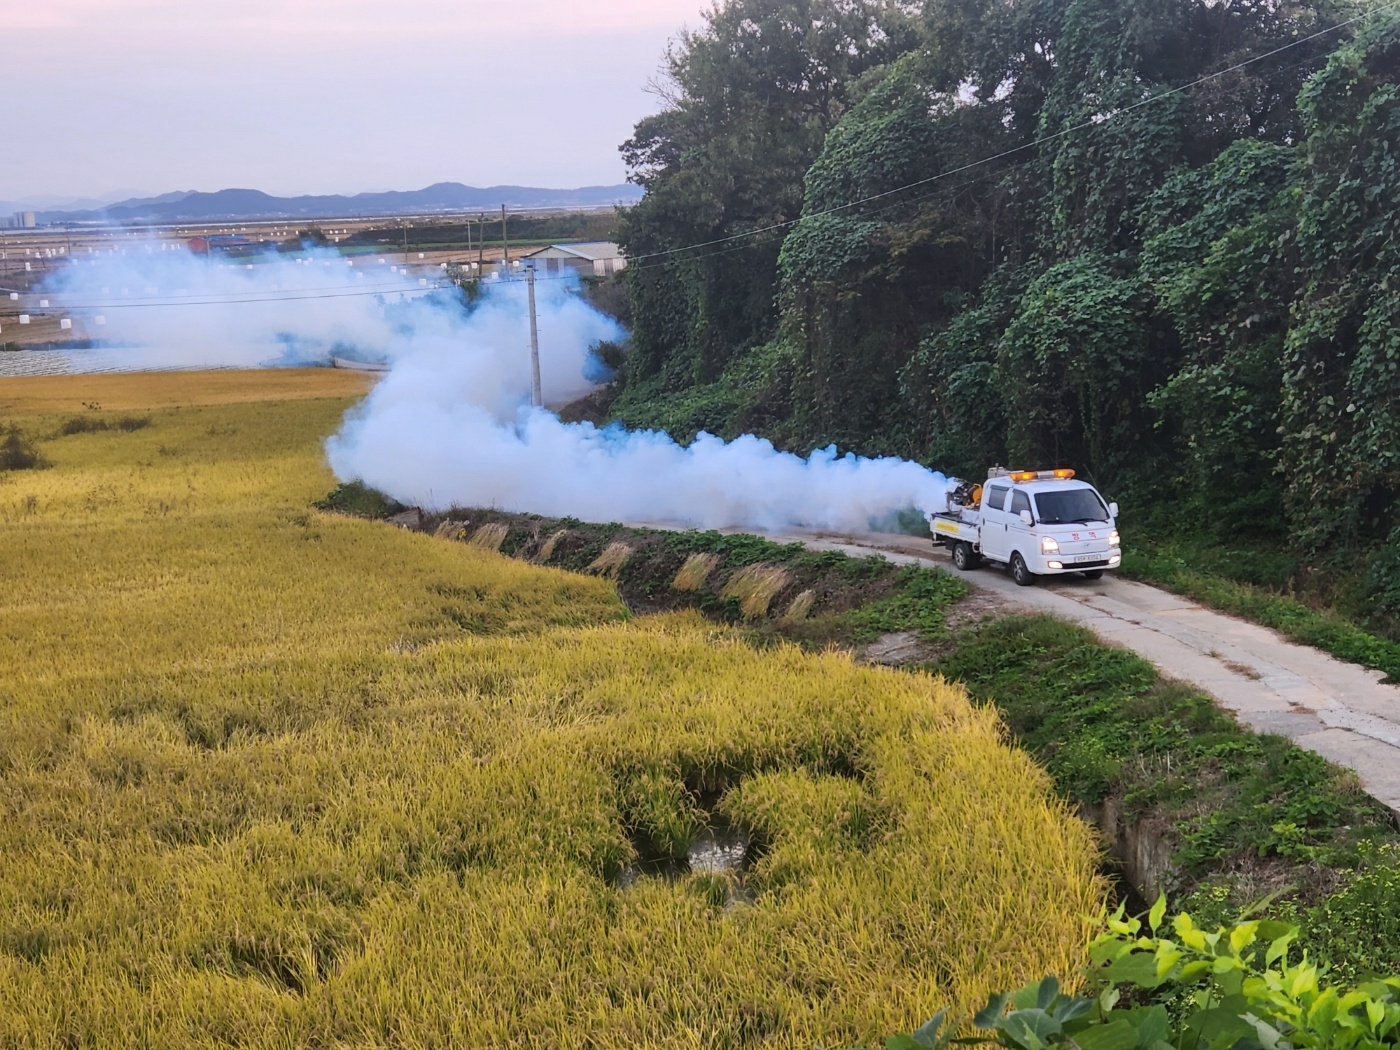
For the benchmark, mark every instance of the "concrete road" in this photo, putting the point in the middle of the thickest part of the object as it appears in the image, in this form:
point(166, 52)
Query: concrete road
point(1337, 709)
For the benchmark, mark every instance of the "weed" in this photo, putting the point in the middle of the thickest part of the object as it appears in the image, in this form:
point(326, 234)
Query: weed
point(489, 537)
point(695, 572)
point(355, 498)
point(755, 586)
point(17, 451)
point(96, 424)
point(1105, 726)
point(610, 561)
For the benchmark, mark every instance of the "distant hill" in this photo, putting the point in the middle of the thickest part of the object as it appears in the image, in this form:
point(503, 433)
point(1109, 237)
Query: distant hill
point(50, 202)
point(236, 205)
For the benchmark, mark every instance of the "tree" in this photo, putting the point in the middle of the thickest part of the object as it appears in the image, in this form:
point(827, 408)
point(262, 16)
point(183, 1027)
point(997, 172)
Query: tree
point(1341, 366)
point(1216, 260)
point(748, 101)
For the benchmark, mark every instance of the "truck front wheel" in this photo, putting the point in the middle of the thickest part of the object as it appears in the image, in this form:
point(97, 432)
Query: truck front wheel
point(1020, 571)
point(964, 557)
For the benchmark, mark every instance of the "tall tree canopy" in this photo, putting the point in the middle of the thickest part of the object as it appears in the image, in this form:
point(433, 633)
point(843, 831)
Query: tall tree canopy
point(1156, 239)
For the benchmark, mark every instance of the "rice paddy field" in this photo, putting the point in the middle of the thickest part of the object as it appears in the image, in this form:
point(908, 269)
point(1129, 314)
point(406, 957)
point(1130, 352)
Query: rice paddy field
point(276, 778)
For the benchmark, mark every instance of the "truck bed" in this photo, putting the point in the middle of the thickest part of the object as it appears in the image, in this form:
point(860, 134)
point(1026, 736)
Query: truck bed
point(950, 528)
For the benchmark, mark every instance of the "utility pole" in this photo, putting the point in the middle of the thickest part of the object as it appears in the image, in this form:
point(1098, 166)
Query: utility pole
point(405, 240)
point(536, 398)
point(481, 244)
point(505, 243)
point(468, 223)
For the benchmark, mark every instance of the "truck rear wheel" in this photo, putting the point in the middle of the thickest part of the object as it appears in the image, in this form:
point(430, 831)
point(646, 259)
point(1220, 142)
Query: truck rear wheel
point(964, 557)
point(1020, 571)
point(1093, 574)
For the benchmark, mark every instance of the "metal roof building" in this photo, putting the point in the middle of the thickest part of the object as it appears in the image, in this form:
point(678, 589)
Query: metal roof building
point(591, 258)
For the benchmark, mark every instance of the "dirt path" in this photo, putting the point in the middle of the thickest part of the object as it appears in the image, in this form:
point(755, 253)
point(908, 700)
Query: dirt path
point(1339, 710)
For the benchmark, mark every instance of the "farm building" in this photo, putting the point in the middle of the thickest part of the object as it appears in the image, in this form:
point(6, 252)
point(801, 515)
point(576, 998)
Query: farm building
point(591, 259)
point(219, 243)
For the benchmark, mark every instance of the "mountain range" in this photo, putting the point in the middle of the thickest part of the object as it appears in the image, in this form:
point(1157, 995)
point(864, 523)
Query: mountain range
point(237, 205)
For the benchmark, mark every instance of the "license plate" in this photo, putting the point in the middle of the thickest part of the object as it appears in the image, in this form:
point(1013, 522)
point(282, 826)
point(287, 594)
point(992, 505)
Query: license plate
point(1080, 559)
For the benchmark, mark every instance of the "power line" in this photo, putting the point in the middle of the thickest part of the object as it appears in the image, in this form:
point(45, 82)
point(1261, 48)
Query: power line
point(1090, 123)
point(946, 190)
point(154, 298)
point(166, 301)
point(149, 304)
point(950, 190)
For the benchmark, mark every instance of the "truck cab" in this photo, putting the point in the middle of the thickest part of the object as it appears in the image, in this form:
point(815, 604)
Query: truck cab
point(1037, 523)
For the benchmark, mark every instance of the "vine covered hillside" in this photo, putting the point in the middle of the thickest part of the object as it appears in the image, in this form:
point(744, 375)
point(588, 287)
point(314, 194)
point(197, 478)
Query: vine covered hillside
point(1152, 239)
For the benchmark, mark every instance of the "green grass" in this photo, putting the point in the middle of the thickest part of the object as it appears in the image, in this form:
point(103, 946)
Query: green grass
point(1247, 814)
point(918, 603)
point(358, 500)
point(1104, 723)
point(1200, 575)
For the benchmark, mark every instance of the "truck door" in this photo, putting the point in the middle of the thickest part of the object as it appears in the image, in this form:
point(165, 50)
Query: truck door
point(1018, 536)
point(994, 539)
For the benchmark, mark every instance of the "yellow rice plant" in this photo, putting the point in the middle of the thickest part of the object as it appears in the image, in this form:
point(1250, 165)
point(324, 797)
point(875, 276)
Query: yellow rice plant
point(755, 586)
point(490, 537)
point(610, 562)
point(550, 545)
point(695, 572)
point(800, 606)
point(272, 778)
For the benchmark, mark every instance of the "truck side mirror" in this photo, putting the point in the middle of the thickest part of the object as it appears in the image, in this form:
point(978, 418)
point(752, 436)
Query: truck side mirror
point(1113, 510)
point(1026, 518)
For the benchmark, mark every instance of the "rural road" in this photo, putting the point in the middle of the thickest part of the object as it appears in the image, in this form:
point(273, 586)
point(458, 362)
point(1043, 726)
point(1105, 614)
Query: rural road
point(1337, 709)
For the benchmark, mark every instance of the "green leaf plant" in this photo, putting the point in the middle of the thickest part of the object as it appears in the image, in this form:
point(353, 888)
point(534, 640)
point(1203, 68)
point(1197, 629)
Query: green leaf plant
point(1172, 986)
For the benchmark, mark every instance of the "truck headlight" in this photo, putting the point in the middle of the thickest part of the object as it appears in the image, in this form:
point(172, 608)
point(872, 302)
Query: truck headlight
point(1049, 545)
point(1113, 540)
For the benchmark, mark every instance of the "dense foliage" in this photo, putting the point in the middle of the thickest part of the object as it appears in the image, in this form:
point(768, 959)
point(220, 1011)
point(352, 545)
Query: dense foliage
point(1176, 986)
point(1133, 236)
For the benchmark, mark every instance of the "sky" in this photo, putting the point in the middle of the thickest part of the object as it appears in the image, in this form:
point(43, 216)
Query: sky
point(324, 96)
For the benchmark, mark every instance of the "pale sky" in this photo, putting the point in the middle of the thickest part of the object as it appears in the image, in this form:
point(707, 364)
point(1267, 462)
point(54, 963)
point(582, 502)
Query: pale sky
point(324, 96)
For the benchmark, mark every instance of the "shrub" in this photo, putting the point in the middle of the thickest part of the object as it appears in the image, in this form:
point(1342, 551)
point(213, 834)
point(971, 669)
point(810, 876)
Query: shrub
point(96, 424)
point(1235, 988)
point(17, 452)
point(1358, 927)
point(1383, 576)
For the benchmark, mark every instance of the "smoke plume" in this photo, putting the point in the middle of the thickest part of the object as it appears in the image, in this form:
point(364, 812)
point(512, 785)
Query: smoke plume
point(451, 426)
point(157, 306)
point(450, 422)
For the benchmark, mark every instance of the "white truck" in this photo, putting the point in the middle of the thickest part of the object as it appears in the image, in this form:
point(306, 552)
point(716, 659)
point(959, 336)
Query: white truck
point(1035, 522)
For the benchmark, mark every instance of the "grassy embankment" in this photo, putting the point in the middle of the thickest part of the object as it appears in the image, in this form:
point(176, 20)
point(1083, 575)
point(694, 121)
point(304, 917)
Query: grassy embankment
point(776, 592)
point(1246, 816)
point(271, 777)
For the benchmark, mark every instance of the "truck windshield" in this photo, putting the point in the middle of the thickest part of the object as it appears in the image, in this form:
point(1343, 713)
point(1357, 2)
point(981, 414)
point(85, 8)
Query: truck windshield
point(1070, 506)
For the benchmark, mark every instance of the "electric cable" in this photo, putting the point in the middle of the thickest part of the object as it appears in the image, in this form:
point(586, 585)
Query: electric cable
point(642, 260)
point(1042, 140)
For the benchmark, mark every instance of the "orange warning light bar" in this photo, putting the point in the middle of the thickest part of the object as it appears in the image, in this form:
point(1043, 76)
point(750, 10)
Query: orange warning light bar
point(1062, 474)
